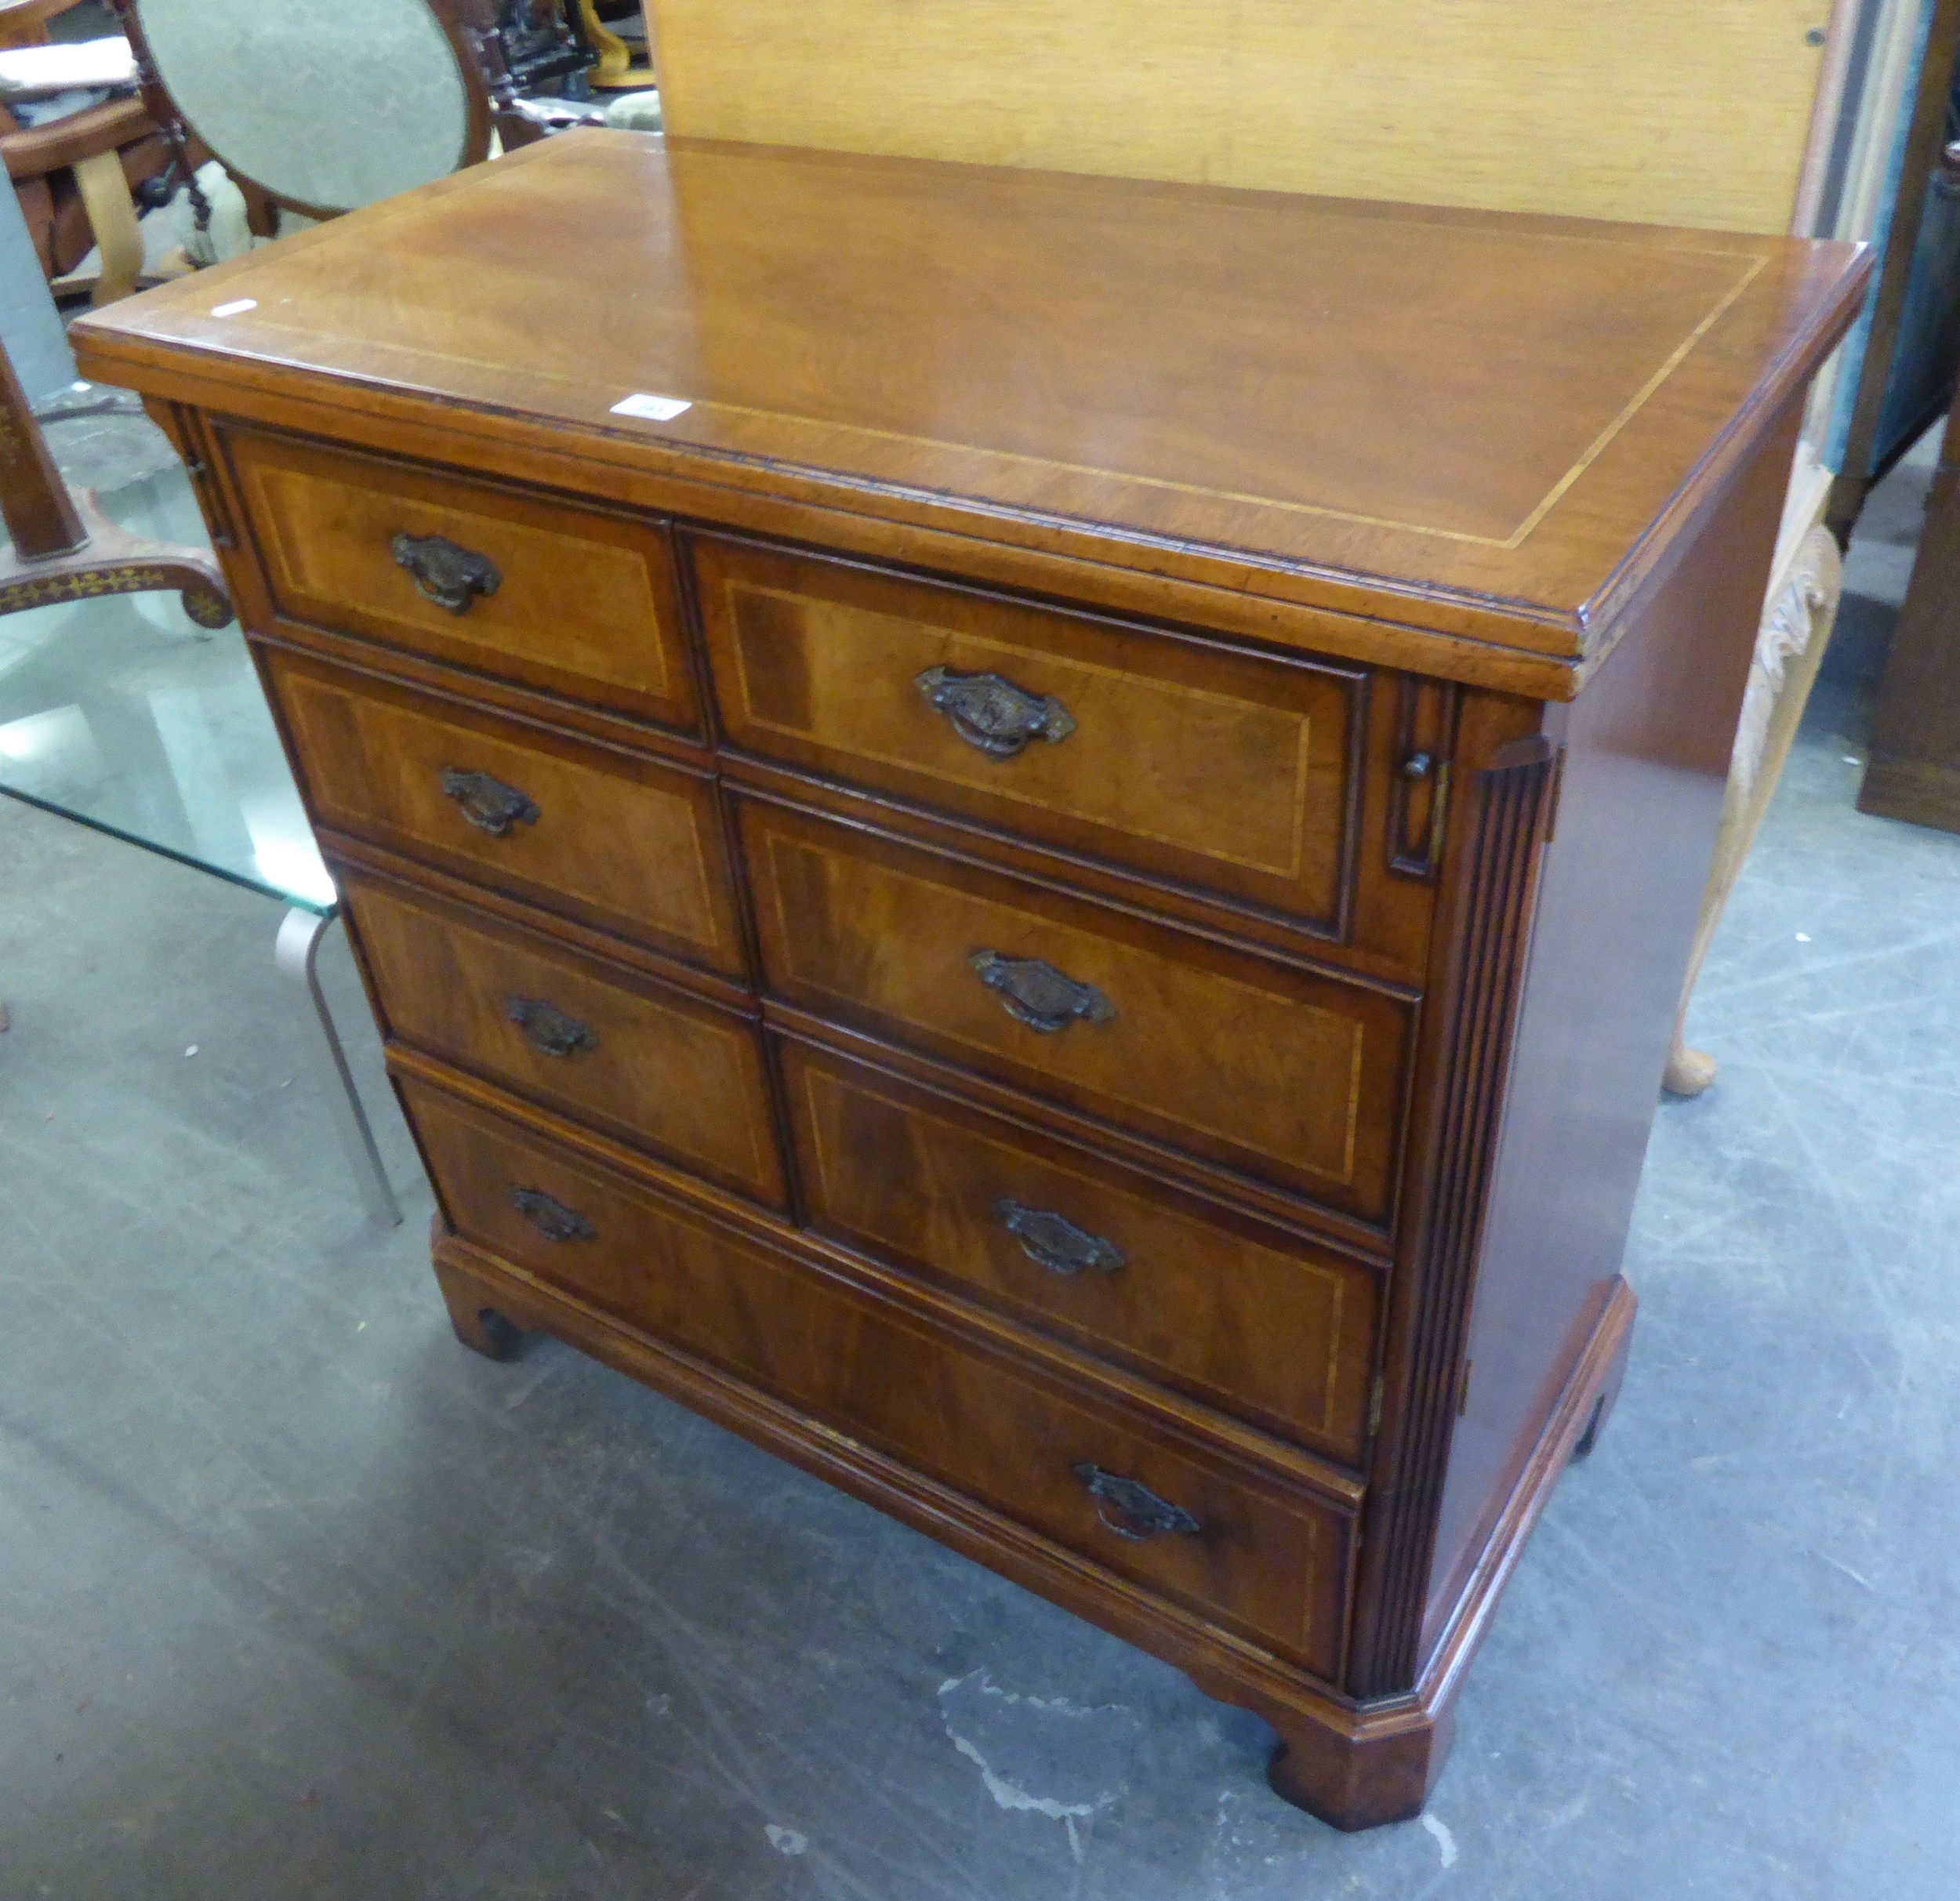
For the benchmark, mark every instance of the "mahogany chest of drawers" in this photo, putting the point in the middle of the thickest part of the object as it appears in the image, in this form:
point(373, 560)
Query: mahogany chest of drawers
point(1032, 838)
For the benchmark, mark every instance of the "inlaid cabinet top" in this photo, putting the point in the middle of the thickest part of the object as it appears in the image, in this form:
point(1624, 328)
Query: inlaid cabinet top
point(1484, 424)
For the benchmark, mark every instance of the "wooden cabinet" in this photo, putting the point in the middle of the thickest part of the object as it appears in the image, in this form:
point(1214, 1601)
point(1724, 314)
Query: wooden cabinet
point(1032, 838)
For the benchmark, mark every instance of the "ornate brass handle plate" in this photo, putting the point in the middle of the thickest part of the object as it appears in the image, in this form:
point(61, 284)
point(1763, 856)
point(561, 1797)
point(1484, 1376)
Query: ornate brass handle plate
point(1038, 995)
point(994, 714)
point(451, 576)
point(489, 804)
point(548, 1029)
point(551, 1218)
point(1138, 1511)
point(1054, 1242)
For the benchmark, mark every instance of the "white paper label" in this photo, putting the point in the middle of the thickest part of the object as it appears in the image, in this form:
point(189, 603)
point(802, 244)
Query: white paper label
point(654, 408)
point(237, 307)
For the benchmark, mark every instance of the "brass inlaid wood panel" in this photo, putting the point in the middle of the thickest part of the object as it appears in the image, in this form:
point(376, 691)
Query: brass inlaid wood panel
point(644, 1062)
point(584, 604)
point(626, 844)
point(1248, 1319)
point(1269, 1561)
point(1283, 1073)
point(1680, 111)
point(1206, 766)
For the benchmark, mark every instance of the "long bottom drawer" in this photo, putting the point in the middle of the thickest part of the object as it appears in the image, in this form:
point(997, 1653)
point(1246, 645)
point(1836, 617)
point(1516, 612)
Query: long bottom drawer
point(1240, 1546)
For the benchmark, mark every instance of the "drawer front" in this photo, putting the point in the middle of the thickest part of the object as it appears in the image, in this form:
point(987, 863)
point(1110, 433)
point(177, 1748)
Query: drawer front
point(625, 844)
point(1285, 1075)
point(647, 1064)
point(1267, 1559)
point(1217, 769)
point(582, 602)
point(1238, 1315)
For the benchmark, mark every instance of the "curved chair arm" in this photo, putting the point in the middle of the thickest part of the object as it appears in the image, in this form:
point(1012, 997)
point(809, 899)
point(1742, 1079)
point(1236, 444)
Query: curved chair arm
point(61, 142)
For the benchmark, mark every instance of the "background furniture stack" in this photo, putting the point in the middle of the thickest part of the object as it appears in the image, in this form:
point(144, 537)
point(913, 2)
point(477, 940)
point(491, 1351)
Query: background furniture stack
point(74, 175)
point(1914, 769)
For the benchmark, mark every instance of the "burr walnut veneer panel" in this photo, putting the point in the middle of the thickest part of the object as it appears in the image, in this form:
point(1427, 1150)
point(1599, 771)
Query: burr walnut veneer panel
point(1259, 1555)
point(642, 1060)
point(1279, 1072)
point(1241, 1315)
point(1223, 770)
point(627, 844)
point(575, 601)
point(950, 799)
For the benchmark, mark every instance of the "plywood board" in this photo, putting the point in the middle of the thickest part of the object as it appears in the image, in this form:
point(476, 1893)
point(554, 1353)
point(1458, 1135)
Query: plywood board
point(1672, 111)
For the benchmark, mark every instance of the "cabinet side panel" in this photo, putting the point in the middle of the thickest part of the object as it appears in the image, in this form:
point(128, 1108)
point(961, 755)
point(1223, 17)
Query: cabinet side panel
point(1647, 747)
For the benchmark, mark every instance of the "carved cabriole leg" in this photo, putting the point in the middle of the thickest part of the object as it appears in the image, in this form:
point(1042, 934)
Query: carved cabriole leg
point(1796, 629)
point(478, 1324)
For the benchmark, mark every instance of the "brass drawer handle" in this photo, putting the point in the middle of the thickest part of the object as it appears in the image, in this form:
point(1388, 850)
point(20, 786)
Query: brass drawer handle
point(552, 1219)
point(994, 714)
point(1054, 1242)
point(489, 804)
point(548, 1029)
point(1038, 995)
point(450, 576)
point(1140, 1513)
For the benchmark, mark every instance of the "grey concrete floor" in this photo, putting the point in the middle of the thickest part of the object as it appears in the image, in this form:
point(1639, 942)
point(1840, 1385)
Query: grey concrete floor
point(297, 1598)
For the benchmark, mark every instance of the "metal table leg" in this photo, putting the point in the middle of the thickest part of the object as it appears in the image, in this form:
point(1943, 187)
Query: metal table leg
point(297, 954)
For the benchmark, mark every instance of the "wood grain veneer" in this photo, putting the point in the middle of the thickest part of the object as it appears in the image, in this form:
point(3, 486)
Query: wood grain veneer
point(1290, 1074)
point(631, 844)
point(1491, 433)
point(1235, 773)
point(1270, 1561)
point(1062, 899)
point(1588, 108)
point(639, 1059)
point(1243, 1316)
point(331, 518)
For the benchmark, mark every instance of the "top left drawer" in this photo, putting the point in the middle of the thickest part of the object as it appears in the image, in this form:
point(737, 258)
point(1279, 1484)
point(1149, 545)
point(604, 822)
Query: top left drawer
point(572, 600)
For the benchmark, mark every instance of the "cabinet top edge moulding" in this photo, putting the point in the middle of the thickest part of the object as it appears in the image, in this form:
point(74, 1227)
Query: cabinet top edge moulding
point(1482, 432)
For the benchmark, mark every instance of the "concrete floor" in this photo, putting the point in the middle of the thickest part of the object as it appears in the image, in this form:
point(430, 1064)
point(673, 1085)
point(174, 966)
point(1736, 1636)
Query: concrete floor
point(299, 1599)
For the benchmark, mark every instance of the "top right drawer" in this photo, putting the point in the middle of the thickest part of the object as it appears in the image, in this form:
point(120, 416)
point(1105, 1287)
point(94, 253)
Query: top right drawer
point(1207, 768)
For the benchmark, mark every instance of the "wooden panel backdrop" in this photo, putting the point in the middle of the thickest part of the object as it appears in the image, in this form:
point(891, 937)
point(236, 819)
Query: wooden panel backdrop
point(1672, 111)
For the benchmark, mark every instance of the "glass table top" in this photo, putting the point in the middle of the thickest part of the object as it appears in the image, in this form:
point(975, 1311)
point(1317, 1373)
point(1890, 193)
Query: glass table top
point(123, 713)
